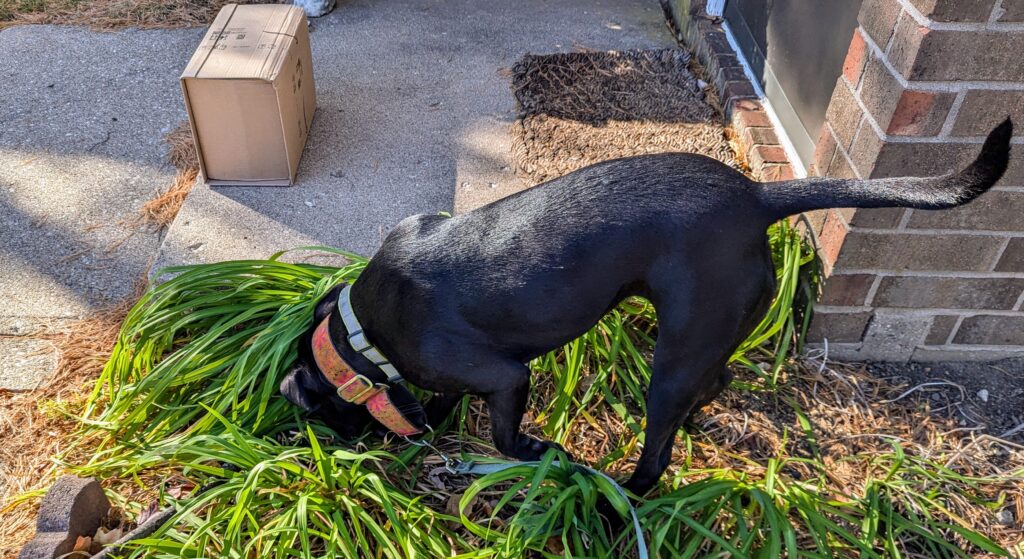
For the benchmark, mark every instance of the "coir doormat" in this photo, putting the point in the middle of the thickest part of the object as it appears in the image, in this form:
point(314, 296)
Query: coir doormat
point(580, 108)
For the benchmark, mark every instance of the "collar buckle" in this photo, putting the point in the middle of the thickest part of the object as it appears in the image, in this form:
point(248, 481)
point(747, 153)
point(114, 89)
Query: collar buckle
point(366, 391)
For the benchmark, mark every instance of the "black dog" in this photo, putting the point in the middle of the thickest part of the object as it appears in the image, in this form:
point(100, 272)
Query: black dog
point(461, 304)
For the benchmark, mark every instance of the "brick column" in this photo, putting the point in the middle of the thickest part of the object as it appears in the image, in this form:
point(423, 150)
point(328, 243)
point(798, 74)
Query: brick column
point(923, 82)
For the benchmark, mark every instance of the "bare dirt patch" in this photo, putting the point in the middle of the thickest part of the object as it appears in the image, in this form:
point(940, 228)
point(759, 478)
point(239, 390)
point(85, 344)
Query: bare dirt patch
point(988, 397)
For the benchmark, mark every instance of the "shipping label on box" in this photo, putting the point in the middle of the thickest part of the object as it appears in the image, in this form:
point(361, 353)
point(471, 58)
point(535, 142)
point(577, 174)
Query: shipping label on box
point(250, 95)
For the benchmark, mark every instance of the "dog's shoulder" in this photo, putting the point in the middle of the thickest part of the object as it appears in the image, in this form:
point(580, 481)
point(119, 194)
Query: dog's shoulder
point(415, 227)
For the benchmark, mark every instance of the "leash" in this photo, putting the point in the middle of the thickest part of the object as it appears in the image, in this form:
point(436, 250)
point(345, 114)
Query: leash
point(459, 467)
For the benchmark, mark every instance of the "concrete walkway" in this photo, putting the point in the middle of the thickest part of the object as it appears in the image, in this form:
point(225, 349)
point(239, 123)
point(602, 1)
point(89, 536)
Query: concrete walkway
point(81, 124)
point(414, 106)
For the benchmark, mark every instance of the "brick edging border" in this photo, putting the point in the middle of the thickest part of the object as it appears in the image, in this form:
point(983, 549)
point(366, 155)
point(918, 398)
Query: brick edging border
point(756, 136)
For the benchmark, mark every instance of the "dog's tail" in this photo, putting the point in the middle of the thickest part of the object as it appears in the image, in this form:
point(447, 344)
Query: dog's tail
point(931, 193)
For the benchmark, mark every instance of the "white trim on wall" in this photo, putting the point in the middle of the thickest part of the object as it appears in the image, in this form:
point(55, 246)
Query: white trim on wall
point(715, 8)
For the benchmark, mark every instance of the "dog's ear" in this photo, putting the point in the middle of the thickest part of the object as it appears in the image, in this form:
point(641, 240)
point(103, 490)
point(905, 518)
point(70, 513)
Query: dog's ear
point(326, 304)
point(300, 389)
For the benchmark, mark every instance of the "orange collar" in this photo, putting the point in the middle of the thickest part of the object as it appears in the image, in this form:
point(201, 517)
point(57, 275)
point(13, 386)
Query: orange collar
point(356, 388)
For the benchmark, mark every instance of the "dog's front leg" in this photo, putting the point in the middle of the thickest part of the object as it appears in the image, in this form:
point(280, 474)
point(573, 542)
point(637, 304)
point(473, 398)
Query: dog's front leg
point(506, 403)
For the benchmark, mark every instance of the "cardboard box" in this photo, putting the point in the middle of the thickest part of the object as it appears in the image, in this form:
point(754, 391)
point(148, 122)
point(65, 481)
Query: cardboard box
point(250, 95)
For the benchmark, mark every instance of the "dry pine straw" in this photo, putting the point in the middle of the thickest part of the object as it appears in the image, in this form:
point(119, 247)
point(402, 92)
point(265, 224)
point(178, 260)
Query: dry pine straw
point(111, 15)
point(37, 425)
point(160, 211)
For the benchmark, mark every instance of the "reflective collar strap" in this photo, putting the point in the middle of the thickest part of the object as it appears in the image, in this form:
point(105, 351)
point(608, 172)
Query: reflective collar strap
point(357, 339)
point(356, 388)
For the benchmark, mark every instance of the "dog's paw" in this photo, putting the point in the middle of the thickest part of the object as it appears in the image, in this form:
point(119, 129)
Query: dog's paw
point(530, 448)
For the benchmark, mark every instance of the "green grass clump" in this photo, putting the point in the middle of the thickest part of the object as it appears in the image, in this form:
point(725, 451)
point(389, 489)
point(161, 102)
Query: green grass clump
point(190, 396)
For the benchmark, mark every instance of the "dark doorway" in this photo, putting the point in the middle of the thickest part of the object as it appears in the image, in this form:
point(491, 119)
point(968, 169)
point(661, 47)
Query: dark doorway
point(796, 48)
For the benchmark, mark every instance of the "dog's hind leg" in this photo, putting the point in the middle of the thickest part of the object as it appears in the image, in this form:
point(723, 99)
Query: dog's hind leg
point(696, 337)
point(680, 380)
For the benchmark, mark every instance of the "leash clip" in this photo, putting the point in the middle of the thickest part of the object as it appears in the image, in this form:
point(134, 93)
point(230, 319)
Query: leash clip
point(453, 466)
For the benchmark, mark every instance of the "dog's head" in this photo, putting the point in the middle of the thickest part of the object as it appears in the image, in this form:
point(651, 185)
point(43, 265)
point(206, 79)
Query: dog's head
point(305, 386)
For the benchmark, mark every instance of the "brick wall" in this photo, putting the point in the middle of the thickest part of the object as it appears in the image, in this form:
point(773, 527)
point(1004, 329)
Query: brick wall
point(923, 83)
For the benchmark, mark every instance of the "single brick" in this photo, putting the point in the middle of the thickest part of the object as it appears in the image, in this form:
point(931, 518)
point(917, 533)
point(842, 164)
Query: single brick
point(840, 168)
point(996, 210)
point(773, 173)
point(898, 252)
point(878, 218)
point(762, 155)
point(955, 10)
point(865, 149)
point(830, 240)
point(878, 17)
point(734, 91)
point(838, 327)
point(942, 327)
point(920, 113)
point(924, 159)
point(948, 293)
point(730, 74)
point(1013, 257)
point(984, 110)
point(843, 113)
point(991, 330)
point(880, 92)
point(856, 56)
point(824, 151)
point(942, 55)
point(906, 43)
point(743, 117)
point(759, 137)
point(846, 290)
point(727, 61)
point(716, 42)
point(893, 336)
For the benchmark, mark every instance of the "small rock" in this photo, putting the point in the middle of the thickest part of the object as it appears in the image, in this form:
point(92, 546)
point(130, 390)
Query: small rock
point(309, 203)
point(1005, 517)
point(983, 395)
point(492, 185)
point(465, 185)
point(702, 84)
point(936, 397)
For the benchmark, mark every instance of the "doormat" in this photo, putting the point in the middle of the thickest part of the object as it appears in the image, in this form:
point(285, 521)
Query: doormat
point(580, 108)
